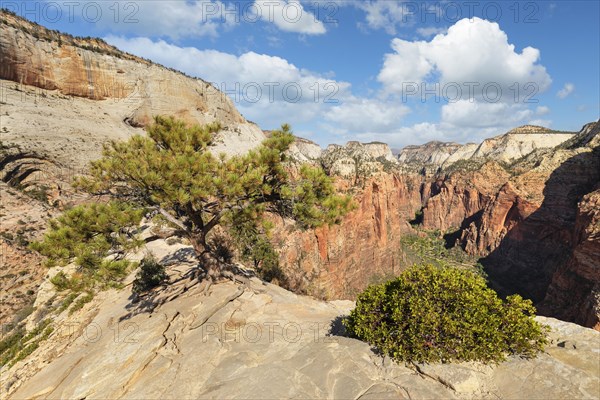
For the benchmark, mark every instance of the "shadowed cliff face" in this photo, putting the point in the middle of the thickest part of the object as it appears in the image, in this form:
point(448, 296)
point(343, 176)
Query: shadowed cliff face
point(535, 225)
point(574, 291)
point(531, 243)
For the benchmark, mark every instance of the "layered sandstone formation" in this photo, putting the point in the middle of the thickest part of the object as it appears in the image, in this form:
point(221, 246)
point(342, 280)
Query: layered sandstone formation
point(356, 160)
point(339, 261)
point(303, 150)
point(435, 153)
point(452, 200)
point(264, 342)
point(61, 99)
point(507, 147)
point(524, 220)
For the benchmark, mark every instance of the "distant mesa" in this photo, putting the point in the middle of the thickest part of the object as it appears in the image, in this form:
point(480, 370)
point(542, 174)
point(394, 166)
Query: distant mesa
point(527, 129)
point(507, 147)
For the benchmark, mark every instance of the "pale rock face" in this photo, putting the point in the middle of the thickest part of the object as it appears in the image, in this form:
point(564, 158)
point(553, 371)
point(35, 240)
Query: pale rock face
point(508, 147)
point(512, 146)
point(429, 153)
point(379, 150)
point(303, 150)
point(355, 160)
point(238, 140)
point(463, 153)
point(264, 342)
point(64, 101)
point(45, 292)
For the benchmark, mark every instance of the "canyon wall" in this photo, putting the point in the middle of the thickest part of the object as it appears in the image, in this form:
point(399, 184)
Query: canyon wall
point(519, 201)
point(341, 260)
point(574, 292)
point(532, 221)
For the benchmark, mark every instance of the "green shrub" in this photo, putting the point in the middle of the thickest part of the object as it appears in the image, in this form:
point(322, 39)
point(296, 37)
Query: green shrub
point(67, 302)
point(255, 247)
point(60, 281)
point(151, 274)
point(10, 344)
point(112, 272)
point(431, 314)
point(20, 344)
point(430, 248)
point(86, 233)
point(81, 301)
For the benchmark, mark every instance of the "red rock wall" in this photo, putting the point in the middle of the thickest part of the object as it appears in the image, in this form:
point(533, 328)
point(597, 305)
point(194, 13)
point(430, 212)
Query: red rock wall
point(339, 261)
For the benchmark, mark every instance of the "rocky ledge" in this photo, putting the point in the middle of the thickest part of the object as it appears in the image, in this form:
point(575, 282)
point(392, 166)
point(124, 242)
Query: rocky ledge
point(260, 341)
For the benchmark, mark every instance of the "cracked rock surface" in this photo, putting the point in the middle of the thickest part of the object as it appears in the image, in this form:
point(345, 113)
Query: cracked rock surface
point(263, 342)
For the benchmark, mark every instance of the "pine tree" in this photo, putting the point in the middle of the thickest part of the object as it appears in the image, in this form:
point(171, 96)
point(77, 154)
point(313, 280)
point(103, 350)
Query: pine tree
point(172, 172)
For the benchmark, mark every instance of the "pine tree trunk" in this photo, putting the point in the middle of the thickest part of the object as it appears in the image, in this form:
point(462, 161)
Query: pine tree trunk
point(207, 259)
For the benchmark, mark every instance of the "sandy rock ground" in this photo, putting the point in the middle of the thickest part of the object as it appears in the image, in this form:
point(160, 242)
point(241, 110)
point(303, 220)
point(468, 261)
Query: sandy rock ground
point(260, 341)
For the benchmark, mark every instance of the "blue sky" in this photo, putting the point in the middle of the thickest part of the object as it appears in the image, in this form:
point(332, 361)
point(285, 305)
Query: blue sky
point(401, 72)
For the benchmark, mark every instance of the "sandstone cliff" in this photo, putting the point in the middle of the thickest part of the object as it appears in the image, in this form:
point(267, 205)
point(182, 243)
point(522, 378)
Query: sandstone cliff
point(264, 342)
point(508, 147)
point(574, 292)
point(356, 160)
point(523, 219)
point(62, 98)
point(341, 260)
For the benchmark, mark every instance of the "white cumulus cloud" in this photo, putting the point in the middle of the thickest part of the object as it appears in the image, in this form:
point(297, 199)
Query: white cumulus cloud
point(366, 116)
point(542, 110)
point(194, 18)
point(472, 51)
point(160, 18)
point(430, 31)
point(289, 15)
point(384, 14)
point(465, 113)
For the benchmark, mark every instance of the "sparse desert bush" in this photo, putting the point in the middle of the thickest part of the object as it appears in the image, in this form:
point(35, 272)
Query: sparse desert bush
point(20, 344)
point(85, 235)
point(151, 274)
point(431, 314)
point(81, 301)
